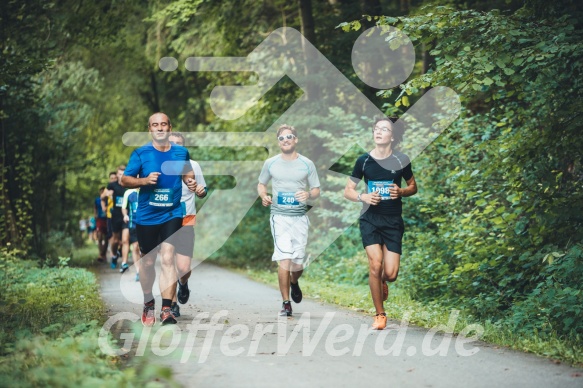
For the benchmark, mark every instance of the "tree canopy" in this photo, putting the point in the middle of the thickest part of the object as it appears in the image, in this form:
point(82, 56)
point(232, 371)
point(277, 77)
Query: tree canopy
point(497, 225)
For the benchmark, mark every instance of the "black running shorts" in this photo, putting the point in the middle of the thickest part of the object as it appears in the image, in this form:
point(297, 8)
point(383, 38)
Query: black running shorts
point(150, 236)
point(109, 229)
point(117, 224)
point(133, 235)
point(383, 230)
point(183, 241)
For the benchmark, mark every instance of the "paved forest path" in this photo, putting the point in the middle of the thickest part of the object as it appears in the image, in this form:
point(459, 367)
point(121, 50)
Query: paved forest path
point(229, 335)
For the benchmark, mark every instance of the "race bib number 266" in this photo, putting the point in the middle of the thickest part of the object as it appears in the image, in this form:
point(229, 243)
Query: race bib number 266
point(162, 197)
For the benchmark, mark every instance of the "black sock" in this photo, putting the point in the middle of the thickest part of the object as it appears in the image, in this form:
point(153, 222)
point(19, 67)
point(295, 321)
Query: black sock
point(166, 303)
point(148, 298)
point(286, 301)
point(173, 304)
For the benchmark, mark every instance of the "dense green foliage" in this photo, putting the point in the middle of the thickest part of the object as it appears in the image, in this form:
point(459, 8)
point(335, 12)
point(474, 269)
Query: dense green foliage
point(496, 227)
point(51, 117)
point(50, 319)
point(501, 233)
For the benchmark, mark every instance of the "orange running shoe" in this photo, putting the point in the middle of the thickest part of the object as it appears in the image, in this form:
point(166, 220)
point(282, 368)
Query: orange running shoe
point(380, 322)
point(385, 291)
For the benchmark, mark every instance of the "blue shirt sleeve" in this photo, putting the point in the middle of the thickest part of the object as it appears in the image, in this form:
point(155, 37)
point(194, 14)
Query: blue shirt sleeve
point(134, 165)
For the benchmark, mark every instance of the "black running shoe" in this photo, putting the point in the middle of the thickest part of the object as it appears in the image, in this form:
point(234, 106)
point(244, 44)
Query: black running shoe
point(175, 309)
point(183, 293)
point(286, 309)
point(296, 292)
point(124, 267)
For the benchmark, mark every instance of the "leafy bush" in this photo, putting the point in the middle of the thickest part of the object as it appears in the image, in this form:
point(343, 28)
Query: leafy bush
point(57, 244)
point(50, 328)
point(71, 358)
point(343, 262)
point(556, 302)
point(498, 215)
point(251, 244)
point(39, 297)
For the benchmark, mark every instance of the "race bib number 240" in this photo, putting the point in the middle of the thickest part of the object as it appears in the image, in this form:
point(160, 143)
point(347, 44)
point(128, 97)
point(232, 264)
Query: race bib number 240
point(288, 199)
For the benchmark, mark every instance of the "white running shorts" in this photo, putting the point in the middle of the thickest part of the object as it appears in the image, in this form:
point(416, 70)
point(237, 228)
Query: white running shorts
point(290, 237)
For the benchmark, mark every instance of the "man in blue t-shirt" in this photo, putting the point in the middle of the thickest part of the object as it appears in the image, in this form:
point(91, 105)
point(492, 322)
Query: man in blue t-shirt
point(158, 169)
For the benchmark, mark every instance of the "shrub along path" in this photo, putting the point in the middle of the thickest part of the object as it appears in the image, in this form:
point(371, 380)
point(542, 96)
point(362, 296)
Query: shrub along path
point(229, 333)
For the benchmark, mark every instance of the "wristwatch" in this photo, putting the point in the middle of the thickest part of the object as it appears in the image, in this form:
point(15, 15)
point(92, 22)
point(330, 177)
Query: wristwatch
point(358, 198)
point(204, 195)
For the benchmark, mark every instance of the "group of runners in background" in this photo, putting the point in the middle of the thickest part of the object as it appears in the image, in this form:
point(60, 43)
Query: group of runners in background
point(148, 209)
point(87, 227)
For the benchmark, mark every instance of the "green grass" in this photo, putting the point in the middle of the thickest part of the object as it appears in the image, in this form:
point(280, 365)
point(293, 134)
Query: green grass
point(50, 320)
point(85, 256)
point(357, 297)
point(45, 296)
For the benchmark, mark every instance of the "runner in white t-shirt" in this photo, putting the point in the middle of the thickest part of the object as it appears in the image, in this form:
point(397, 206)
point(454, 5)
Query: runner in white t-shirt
point(291, 174)
point(184, 238)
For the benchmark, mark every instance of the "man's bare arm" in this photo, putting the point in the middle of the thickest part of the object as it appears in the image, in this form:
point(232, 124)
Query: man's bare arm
point(188, 175)
point(131, 182)
point(262, 192)
point(314, 193)
point(351, 194)
point(408, 191)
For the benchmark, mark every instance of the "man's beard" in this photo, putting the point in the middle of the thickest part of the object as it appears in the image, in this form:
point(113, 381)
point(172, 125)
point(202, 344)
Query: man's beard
point(290, 151)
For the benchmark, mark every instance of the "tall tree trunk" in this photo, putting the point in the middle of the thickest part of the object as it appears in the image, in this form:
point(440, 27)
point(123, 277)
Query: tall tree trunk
point(371, 8)
point(64, 196)
point(308, 31)
point(427, 62)
point(307, 20)
point(150, 95)
point(155, 98)
point(8, 230)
